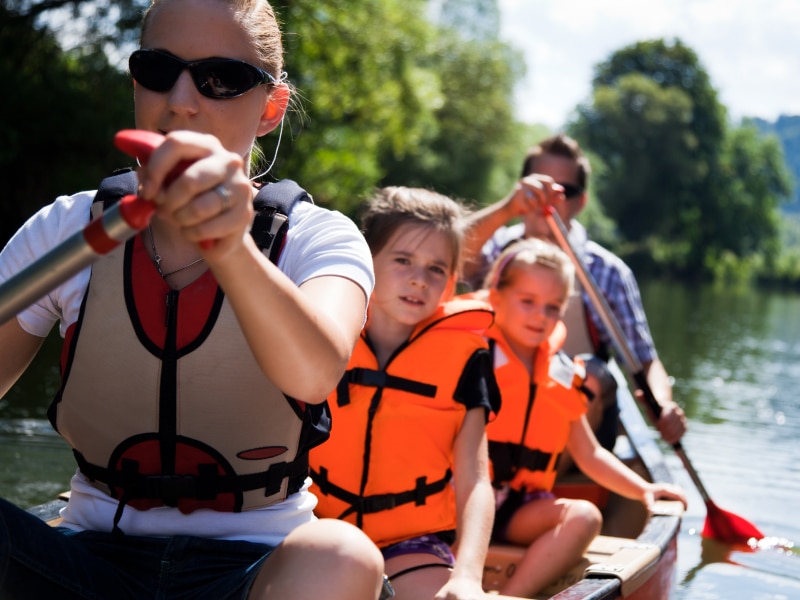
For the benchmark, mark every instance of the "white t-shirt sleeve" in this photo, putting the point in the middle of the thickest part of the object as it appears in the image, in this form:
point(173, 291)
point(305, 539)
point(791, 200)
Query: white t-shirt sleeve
point(50, 226)
point(325, 242)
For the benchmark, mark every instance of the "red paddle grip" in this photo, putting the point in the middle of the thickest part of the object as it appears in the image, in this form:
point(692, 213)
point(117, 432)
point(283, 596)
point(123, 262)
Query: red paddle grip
point(140, 144)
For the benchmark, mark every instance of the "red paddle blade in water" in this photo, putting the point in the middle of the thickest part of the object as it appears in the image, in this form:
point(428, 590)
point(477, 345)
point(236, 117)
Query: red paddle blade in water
point(727, 527)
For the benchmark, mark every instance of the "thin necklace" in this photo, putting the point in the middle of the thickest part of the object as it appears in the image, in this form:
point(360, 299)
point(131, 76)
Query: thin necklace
point(157, 258)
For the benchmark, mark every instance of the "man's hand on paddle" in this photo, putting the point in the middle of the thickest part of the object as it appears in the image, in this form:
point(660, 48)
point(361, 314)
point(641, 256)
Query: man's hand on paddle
point(533, 193)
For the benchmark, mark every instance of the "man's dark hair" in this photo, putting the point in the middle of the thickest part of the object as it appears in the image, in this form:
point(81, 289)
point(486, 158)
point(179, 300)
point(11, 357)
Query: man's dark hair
point(559, 145)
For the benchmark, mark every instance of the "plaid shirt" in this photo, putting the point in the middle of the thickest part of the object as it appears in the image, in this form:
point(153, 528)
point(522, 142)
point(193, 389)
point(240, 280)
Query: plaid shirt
point(613, 277)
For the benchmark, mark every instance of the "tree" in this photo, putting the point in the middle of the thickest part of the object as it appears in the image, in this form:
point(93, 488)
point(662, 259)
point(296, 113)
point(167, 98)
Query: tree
point(470, 152)
point(752, 180)
point(56, 130)
point(362, 91)
point(385, 95)
point(674, 174)
point(391, 98)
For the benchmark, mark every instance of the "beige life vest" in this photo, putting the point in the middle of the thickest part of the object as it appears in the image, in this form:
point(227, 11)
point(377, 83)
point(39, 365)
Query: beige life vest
point(163, 402)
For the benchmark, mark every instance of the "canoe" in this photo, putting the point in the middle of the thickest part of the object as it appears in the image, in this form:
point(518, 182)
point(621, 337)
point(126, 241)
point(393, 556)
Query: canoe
point(635, 556)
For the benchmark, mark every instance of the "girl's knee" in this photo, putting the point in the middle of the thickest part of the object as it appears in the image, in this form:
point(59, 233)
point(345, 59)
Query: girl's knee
point(586, 515)
point(347, 549)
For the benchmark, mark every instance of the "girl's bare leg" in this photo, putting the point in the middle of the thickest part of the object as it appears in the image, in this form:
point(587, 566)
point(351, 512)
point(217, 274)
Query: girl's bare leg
point(325, 559)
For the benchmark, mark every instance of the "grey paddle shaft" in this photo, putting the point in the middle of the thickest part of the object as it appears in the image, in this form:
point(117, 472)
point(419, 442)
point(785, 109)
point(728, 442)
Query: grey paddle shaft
point(117, 224)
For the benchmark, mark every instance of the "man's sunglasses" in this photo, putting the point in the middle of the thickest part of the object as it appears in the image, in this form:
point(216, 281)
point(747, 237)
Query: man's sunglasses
point(571, 191)
point(214, 77)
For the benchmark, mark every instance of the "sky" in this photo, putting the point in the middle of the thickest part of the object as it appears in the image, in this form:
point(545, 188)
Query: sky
point(749, 48)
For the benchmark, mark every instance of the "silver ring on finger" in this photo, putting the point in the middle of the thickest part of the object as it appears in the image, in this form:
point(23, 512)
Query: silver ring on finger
point(225, 194)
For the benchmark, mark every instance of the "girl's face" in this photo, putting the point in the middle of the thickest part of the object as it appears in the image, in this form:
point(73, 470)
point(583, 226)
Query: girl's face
point(527, 310)
point(193, 30)
point(412, 273)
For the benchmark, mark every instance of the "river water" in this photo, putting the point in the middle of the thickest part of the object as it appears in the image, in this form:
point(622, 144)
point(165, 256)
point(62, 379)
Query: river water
point(735, 357)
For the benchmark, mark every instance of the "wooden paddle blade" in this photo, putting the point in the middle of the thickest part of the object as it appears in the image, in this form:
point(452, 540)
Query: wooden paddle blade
point(727, 527)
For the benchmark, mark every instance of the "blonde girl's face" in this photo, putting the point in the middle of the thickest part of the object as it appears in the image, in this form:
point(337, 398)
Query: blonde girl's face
point(412, 273)
point(193, 30)
point(527, 310)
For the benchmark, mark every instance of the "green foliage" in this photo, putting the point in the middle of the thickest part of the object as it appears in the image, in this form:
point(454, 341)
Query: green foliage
point(643, 135)
point(473, 143)
point(689, 193)
point(392, 99)
point(365, 93)
point(57, 125)
point(787, 130)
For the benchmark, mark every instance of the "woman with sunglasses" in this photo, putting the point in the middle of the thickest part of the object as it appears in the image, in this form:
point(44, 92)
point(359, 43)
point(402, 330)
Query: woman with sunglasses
point(194, 369)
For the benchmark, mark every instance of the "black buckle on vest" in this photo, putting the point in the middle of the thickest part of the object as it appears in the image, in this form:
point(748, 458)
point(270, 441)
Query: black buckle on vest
point(377, 503)
point(170, 488)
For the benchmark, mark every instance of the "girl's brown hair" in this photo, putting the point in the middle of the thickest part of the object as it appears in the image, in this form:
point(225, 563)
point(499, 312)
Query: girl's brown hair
point(392, 207)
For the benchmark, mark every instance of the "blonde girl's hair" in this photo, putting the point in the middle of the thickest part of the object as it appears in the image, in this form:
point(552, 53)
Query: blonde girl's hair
point(526, 253)
point(392, 207)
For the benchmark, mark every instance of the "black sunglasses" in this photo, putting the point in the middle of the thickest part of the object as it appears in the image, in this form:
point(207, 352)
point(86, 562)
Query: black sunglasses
point(214, 77)
point(571, 191)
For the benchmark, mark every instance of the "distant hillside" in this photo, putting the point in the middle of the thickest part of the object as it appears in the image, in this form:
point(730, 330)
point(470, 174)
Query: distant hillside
point(788, 131)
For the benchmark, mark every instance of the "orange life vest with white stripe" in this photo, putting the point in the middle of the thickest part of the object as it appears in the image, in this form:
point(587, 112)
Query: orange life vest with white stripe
point(529, 434)
point(388, 463)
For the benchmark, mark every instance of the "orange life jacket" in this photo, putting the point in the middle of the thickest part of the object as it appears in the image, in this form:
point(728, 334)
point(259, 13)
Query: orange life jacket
point(388, 463)
point(529, 434)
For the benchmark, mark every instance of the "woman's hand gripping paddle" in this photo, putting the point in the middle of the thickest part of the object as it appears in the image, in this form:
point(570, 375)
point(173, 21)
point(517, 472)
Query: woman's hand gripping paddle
point(720, 525)
point(100, 236)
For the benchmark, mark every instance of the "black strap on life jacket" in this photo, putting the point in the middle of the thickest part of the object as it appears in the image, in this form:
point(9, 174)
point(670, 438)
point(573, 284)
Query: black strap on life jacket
point(363, 505)
point(272, 204)
point(508, 458)
point(379, 379)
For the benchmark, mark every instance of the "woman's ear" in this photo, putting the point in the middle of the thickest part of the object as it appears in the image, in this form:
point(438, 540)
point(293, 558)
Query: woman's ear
point(275, 109)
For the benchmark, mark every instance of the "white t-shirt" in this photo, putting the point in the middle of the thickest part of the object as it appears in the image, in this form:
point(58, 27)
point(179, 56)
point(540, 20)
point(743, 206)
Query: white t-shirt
point(319, 242)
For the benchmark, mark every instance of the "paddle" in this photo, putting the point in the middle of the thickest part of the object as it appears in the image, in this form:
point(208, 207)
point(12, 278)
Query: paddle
point(720, 524)
point(100, 236)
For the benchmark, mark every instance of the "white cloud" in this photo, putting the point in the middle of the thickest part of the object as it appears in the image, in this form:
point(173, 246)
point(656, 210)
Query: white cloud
point(749, 49)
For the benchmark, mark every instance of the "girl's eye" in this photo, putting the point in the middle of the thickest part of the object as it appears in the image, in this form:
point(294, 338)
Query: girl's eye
point(553, 311)
point(438, 270)
point(402, 260)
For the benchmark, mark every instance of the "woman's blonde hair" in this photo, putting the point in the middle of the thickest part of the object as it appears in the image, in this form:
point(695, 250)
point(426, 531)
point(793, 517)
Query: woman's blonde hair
point(259, 22)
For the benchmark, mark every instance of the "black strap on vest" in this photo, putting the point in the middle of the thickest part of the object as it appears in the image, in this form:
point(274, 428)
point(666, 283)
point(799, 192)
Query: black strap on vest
point(206, 485)
point(507, 458)
point(379, 379)
point(272, 204)
point(364, 505)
